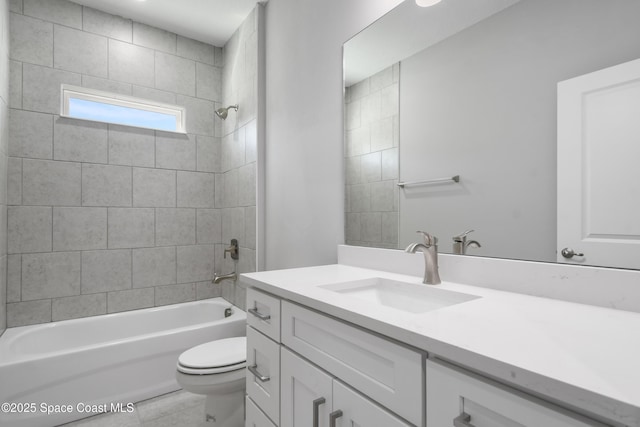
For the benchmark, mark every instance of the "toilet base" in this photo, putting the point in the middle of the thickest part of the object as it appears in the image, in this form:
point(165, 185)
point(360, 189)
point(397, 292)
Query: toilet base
point(225, 410)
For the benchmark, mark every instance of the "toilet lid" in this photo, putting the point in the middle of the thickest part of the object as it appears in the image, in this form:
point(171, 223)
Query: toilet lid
point(215, 354)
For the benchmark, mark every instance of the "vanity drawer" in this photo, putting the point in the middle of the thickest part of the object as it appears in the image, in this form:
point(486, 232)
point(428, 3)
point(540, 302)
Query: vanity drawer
point(263, 313)
point(255, 417)
point(387, 372)
point(263, 373)
point(453, 394)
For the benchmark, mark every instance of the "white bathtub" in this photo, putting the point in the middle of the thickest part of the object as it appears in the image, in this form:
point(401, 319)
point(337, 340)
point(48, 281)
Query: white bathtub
point(85, 365)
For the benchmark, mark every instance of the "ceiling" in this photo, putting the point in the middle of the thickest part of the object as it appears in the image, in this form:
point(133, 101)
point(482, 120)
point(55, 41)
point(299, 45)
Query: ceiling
point(210, 21)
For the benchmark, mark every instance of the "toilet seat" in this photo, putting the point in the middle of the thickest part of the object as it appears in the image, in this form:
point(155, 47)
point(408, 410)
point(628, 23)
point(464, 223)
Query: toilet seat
point(215, 357)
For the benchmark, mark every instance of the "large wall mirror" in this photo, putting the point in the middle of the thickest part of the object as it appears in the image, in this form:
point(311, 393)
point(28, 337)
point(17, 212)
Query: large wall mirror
point(469, 89)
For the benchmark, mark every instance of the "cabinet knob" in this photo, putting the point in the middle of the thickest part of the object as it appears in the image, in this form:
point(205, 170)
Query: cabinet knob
point(462, 420)
point(316, 410)
point(333, 417)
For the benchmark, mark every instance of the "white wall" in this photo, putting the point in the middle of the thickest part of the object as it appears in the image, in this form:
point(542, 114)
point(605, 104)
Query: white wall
point(304, 218)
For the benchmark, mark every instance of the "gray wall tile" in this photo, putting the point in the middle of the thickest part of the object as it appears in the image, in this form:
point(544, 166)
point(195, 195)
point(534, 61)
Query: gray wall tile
point(80, 140)
point(175, 74)
point(230, 188)
point(131, 228)
point(247, 185)
point(199, 115)
point(58, 11)
point(131, 64)
point(390, 225)
point(195, 263)
point(208, 157)
point(208, 226)
point(382, 196)
point(76, 229)
point(175, 151)
point(154, 266)
point(28, 313)
point(131, 147)
point(353, 227)
point(130, 300)
point(175, 227)
point(15, 6)
point(208, 82)
point(106, 185)
point(29, 229)
point(115, 27)
point(15, 84)
point(371, 226)
point(14, 181)
point(251, 142)
point(390, 163)
point(31, 134)
point(233, 150)
point(50, 275)
point(195, 189)
point(233, 224)
point(50, 183)
point(371, 167)
point(196, 50)
point(78, 306)
point(154, 188)
point(41, 87)
point(78, 51)
point(173, 294)
point(154, 38)
point(106, 85)
point(31, 40)
point(14, 278)
point(250, 227)
point(154, 94)
point(207, 289)
point(104, 271)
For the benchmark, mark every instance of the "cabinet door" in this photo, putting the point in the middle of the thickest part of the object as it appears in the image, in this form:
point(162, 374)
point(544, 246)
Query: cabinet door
point(303, 386)
point(263, 378)
point(455, 398)
point(356, 410)
point(255, 417)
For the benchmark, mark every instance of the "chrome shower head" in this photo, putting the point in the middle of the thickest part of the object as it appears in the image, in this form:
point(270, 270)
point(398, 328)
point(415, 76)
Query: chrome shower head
point(223, 112)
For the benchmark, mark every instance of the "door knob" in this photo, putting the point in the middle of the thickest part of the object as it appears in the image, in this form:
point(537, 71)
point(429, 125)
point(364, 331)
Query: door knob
point(569, 253)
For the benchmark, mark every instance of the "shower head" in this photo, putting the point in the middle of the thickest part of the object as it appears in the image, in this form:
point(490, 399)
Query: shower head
point(223, 112)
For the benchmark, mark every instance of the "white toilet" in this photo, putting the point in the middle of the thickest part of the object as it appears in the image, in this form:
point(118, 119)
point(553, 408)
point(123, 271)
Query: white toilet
point(217, 370)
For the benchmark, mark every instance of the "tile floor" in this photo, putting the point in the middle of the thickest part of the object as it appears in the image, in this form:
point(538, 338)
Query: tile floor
point(179, 409)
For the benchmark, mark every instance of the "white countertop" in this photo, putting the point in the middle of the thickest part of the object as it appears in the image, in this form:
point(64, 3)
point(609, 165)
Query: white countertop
point(584, 356)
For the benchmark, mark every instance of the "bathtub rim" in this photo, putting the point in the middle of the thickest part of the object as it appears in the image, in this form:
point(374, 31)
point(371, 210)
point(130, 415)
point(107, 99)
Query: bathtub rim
point(8, 357)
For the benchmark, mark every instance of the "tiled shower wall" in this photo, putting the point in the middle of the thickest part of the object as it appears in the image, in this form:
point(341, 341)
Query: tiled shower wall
point(4, 142)
point(236, 188)
point(106, 218)
point(371, 150)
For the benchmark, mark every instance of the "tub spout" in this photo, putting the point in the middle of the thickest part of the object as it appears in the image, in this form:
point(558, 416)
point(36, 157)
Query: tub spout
point(218, 278)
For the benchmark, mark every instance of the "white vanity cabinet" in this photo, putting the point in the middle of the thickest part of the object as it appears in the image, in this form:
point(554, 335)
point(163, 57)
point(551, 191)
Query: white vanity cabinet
point(263, 358)
point(461, 399)
point(311, 397)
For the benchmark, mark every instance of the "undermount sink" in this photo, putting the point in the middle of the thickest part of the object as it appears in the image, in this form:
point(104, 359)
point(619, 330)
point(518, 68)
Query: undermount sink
point(409, 297)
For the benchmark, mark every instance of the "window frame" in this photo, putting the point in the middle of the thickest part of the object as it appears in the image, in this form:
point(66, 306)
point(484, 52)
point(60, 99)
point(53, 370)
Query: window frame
point(68, 92)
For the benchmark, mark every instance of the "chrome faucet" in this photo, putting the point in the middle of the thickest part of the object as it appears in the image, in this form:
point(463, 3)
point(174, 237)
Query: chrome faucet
point(218, 279)
point(430, 250)
point(460, 243)
point(233, 251)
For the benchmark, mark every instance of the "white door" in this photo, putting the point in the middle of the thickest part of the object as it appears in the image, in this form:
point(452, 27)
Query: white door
point(305, 395)
point(599, 168)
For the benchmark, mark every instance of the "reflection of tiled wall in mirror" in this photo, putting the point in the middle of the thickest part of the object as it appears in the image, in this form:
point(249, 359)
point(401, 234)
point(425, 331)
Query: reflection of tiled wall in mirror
point(371, 151)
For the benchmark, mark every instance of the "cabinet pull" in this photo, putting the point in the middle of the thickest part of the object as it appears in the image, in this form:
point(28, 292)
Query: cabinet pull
point(253, 369)
point(316, 410)
point(333, 417)
point(462, 420)
point(259, 315)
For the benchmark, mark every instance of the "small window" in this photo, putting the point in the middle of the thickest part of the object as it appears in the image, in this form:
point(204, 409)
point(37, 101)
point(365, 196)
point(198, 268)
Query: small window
point(89, 104)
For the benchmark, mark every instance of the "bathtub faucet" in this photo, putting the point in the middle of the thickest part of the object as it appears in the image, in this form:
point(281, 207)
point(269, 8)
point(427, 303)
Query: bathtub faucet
point(218, 278)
